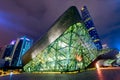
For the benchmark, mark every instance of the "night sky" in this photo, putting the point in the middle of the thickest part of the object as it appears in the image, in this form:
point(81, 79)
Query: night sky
point(34, 17)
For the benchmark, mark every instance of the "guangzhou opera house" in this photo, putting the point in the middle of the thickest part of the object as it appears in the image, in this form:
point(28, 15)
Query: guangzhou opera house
point(67, 46)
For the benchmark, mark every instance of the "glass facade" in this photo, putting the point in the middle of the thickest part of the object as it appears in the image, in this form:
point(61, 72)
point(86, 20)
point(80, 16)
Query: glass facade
point(26, 44)
point(90, 26)
point(72, 50)
point(21, 46)
point(8, 51)
point(16, 53)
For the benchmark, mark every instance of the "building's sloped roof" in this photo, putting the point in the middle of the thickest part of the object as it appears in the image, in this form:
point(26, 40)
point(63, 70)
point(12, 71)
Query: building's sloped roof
point(70, 17)
point(67, 46)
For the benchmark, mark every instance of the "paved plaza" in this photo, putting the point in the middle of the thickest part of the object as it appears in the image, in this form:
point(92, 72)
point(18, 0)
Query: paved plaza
point(99, 74)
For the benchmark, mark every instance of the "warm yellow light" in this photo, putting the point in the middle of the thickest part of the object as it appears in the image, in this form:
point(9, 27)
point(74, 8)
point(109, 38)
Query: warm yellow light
point(96, 40)
point(82, 8)
point(78, 57)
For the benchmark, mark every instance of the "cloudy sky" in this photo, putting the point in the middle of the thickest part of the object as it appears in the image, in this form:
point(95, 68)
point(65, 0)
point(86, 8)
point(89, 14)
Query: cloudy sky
point(34, 17)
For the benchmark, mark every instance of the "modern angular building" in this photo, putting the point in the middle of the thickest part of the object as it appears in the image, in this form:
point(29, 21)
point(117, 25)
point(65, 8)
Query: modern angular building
point(90, 26)
point(67, 46)
point(21, 46)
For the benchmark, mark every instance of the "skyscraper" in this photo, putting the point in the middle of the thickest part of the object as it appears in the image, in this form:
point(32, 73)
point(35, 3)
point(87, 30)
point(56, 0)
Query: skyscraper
point(90, 26)
point(7, 52)
point(21, 46)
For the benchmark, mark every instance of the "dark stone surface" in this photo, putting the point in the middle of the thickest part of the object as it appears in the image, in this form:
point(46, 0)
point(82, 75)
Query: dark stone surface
point(99, 74)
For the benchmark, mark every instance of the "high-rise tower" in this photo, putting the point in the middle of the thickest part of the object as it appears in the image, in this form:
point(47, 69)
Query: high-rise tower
point(7, 52)
point(90, 26)
point(21, 46)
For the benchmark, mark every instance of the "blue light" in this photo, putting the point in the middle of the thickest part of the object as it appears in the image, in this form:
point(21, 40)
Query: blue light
point(13, 42)
point(117, 45)
point(3, 19)
point(115, 42)
point(25, 38)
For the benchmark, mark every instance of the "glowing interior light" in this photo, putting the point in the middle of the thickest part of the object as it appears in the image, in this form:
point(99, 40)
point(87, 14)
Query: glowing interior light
point(22, 38)
point(82, 8)
point(62, 44)
point(25, 38)
point(79, 58)
point(66, 51)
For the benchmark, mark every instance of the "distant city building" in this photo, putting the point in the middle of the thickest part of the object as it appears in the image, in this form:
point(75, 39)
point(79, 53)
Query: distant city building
point(90, 26)
point(8, 51)
point(21, 46)
point(2, 51)
point(2, 62)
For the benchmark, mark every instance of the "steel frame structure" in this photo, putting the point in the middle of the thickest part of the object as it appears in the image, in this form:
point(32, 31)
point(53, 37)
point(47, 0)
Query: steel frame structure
point(72, 50)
